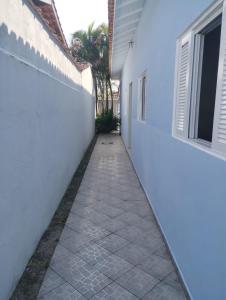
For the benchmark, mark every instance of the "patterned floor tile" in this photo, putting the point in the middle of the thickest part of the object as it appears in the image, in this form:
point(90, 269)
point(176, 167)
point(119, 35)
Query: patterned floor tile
point(130, 218)
point(173, 280)
point(113, 242)
point(62, 254)
point(114, 292)
point(51, 281)
point(93, 254)
point(67, 233)
point(113, 225)
point(157, 266)
point(163, 252)
point(149, 242)
point(64, 292)
point(84, 200)
point(131, 233)
point(83, 211)
point(111, 211)
point(146, 225)
point(83, 277)
point(95, 232)
point(134, 254)
point(76, 242)
point(137, 282)
point(91, 281)
point(111, 234)
point(166, 292)
point(98, 218)
point(141, 210)
point(78, 223)
point(114, 201)
point(114, 266)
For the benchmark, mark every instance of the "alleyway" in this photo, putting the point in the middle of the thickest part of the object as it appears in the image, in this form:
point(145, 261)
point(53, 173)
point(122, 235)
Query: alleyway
point(111, 247)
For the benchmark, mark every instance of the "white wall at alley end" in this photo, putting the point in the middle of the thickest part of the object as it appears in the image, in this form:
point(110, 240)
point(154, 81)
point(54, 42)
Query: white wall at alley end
point(185, 184)
point(46, 124)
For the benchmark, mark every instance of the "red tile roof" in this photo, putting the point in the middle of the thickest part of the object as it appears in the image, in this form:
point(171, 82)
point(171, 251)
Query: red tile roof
point(49, 14)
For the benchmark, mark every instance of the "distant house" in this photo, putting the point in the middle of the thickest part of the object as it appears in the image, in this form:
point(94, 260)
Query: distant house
point(101, 104)
point(45, 98)
point(171, 59)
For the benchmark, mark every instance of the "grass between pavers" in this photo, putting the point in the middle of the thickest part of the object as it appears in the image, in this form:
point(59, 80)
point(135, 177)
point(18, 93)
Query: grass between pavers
point(31, 280)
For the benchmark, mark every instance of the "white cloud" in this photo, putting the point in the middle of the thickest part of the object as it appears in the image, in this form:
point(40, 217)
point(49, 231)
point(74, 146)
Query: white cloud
point(78, 14)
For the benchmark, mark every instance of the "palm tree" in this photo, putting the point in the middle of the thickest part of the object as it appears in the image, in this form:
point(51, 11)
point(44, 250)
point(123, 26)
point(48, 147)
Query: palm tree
point(92, 46)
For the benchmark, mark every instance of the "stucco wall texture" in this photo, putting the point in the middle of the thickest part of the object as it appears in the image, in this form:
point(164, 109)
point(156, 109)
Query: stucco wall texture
point(46, 124)
point(185, 185)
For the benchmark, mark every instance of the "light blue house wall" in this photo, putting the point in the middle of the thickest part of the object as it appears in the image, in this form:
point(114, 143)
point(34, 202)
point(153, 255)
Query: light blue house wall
point(186, 186)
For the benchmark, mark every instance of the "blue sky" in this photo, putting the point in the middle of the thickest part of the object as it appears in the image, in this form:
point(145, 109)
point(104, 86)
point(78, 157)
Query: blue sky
point(78, 14)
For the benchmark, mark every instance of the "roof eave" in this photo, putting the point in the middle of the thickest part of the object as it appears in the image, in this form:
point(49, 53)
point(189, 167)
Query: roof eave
point(124, 18)
point(111, 5)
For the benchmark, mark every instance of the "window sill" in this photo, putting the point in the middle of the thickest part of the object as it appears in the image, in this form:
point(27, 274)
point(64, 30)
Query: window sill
point(141, 121)
point(201, 145)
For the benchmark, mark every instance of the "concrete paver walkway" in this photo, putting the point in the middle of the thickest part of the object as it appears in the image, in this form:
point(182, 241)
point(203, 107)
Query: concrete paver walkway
point(111, 247)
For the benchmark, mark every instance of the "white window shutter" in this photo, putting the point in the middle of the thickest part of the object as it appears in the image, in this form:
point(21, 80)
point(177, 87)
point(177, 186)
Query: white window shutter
point(183, 81)
point(219, 126)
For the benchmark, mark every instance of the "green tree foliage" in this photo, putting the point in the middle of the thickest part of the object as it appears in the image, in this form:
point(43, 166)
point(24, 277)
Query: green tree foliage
point(107, 122)
point(92, 46)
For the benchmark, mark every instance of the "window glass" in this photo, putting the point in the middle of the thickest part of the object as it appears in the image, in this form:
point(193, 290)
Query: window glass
point(210, 59)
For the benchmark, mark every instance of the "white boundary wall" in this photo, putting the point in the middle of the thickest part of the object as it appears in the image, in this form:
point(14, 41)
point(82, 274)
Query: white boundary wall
point(46, 124)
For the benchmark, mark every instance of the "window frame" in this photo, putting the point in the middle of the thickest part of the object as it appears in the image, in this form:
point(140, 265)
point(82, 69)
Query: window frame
point(141, 100)
point(212, 12)
point(130, 114)
point(198, 49)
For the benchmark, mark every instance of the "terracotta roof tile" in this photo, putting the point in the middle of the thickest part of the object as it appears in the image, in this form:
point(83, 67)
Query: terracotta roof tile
point(49, 15)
